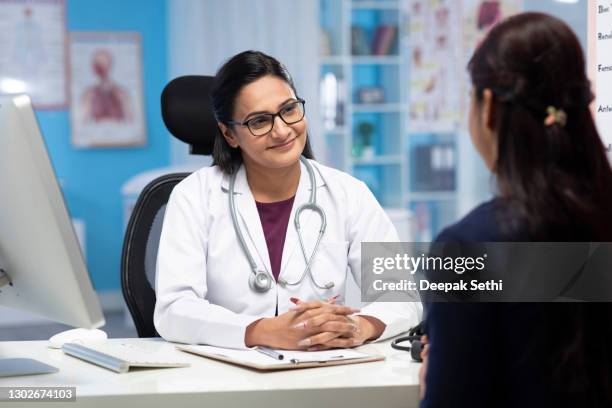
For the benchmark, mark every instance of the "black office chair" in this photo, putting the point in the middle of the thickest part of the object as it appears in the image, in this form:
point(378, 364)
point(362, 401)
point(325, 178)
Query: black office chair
point(187, 113)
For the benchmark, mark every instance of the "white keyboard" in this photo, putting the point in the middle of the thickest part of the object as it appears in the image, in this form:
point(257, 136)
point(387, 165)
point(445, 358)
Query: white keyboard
point(120, 356)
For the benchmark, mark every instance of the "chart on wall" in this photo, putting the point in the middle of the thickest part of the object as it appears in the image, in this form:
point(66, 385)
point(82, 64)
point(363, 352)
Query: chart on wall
point(479, 17)
point(600, 66)
point(33, 51)
point(107, 107)
point(434, 95)
point(443, 37)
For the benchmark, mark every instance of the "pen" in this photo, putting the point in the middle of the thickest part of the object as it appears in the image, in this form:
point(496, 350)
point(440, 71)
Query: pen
point(270, 353)
point(296, 361)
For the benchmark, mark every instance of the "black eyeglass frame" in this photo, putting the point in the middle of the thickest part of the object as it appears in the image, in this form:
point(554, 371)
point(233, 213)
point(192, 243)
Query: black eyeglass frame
point(273, 117)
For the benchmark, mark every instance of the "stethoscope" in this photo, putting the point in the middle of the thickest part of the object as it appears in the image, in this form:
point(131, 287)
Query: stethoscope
point(414, 337)
point(261, 281)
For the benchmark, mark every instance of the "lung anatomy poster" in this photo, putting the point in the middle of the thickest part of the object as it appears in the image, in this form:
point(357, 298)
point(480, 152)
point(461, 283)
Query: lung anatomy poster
point(600, 66)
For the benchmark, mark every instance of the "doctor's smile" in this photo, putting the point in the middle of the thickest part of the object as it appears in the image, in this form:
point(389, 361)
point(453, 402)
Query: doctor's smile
point(284, 146)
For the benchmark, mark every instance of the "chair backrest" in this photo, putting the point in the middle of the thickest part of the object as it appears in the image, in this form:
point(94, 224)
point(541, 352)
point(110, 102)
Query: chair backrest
point(188, 115)
point(140, 251)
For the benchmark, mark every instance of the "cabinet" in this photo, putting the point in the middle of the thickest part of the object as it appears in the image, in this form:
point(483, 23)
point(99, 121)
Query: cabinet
point(364, 102)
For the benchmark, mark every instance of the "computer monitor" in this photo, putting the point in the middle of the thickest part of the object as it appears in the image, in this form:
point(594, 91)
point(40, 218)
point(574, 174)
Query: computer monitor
point(42, 268)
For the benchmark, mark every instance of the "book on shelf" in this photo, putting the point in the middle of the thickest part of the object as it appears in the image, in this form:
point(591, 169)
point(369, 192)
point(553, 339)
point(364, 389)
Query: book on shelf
point(359, 41)
point(434, 167)
point(385, 38)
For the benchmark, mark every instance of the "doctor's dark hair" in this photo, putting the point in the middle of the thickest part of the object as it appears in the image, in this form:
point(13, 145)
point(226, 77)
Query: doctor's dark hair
point(555, 178)
point(238, 72)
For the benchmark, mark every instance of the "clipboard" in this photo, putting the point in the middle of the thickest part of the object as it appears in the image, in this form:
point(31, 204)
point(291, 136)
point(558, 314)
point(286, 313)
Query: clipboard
point(251, 358)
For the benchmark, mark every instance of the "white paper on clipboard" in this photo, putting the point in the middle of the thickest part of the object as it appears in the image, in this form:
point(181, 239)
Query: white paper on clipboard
point(291, 359)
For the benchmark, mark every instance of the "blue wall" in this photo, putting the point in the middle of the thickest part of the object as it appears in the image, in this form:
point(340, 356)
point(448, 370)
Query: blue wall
point(92, 178)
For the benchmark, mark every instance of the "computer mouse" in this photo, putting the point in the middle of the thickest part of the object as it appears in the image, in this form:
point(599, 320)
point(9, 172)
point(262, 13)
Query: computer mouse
point(76, 336)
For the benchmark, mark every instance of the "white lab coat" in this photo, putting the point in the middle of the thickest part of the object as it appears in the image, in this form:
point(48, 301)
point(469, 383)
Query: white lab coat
point(203, 294)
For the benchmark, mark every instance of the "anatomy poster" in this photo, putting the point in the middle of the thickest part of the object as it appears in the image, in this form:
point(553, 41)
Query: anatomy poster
point(106, 89)
point(600, 66)
point(435, 46)
point(479, 16)
point(33, 51)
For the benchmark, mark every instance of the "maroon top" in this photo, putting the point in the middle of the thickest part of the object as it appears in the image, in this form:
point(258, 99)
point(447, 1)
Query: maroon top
point(274, 220)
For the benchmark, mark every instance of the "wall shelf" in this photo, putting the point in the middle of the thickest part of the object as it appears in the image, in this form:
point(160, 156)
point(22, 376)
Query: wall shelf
point(376, 60)
point(334, 59)
point(366, 77)
point(395, 160)
point(379, 107)
point(375, 5)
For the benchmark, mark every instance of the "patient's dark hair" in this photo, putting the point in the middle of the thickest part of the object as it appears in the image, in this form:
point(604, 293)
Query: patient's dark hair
point(556, 179)
point(238, 72)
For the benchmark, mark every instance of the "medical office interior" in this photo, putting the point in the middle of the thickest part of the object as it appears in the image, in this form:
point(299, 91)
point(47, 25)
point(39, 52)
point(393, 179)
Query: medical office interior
point(384, 82)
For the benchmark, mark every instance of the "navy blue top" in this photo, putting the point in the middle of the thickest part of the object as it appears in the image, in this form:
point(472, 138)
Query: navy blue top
point(491, 354)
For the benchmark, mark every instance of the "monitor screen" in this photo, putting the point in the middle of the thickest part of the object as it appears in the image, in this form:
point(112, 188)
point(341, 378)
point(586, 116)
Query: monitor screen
point(43, 270)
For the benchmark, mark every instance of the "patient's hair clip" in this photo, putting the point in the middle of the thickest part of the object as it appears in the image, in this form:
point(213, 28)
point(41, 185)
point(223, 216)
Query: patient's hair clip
point(555, 116)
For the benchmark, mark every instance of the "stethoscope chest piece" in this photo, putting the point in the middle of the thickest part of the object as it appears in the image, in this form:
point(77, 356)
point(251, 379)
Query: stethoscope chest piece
point(260, 282)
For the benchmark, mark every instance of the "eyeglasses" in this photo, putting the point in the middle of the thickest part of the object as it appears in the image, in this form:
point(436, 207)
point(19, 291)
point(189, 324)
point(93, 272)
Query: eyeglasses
point(262, 124)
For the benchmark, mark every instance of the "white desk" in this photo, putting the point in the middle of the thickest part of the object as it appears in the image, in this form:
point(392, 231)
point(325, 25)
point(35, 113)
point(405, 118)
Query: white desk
point(208, 383)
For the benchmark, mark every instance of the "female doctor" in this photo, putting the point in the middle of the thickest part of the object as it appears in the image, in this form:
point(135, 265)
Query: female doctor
point(255, 250)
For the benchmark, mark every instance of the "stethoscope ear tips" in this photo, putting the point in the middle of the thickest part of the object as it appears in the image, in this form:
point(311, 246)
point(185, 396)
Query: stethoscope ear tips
point(329, 285)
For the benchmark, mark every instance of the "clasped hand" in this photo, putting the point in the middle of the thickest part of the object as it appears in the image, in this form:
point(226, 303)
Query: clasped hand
point(314, 325)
